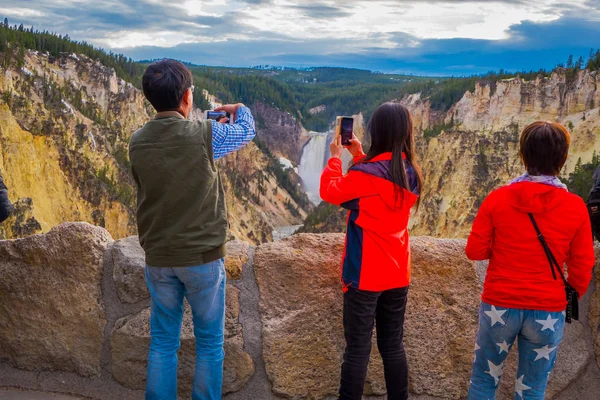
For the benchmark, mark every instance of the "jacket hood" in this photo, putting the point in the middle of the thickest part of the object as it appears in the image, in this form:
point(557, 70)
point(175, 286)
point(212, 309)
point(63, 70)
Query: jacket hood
point(385, 190)
point(531, 197)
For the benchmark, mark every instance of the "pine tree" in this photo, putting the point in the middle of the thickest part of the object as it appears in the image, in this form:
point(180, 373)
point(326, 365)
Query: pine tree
point(570, 61)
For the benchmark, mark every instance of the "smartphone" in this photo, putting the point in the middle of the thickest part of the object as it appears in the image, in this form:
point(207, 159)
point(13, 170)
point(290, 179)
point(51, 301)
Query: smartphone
point(216, 115)
point(344, 128)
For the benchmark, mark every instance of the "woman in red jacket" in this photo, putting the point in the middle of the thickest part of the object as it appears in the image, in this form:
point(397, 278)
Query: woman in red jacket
point(522, 297)
point(379, 191)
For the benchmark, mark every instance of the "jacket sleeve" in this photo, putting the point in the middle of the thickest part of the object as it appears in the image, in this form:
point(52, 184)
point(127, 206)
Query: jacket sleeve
point(337, 188)
point(5, 206)
point(581, 259)
point(479, 244)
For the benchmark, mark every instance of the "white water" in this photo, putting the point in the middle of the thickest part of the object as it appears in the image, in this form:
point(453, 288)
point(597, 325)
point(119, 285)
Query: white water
point(284, 231)
point(312, 164)
point(91, 135)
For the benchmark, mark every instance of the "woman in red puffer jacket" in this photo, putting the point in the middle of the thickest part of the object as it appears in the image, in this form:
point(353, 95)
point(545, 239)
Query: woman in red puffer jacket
point(379, 191)
point(523, 298)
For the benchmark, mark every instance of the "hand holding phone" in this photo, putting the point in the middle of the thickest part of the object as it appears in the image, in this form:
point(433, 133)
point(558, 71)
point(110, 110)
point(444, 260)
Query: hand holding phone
point(230, 109)
point(355, 147)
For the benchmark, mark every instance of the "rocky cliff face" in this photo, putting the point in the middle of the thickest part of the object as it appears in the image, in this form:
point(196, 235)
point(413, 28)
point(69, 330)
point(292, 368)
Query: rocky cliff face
point(472, 148)
point(477, 149)
point(64, 130)
point(280, 131)
point(65, 125)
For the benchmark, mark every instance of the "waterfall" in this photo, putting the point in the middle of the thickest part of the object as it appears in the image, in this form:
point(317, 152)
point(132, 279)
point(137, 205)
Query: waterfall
point(312, 164)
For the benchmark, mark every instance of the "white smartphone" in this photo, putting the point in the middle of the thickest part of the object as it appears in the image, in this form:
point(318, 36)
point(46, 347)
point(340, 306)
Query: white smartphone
point(220, 116)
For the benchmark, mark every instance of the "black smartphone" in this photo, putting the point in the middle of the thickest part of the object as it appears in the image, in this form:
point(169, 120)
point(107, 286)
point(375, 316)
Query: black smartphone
point(347, 124)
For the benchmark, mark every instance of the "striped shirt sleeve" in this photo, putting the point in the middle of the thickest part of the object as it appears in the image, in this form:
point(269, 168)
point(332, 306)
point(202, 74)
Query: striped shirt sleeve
point(228, 138)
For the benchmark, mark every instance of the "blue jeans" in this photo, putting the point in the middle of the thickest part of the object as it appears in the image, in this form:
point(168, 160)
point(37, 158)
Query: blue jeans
point(539, 334)
point(204, 288)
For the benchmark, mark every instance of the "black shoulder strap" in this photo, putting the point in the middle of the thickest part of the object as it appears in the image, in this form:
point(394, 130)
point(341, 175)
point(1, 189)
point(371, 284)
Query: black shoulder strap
point(551, 258)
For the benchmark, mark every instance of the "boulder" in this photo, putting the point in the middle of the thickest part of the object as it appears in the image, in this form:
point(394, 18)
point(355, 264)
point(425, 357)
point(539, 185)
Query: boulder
point(128, 262)
point(301, 308)
point(442, 318)
point(237, 256)
point(130, 341)
point(51, 304)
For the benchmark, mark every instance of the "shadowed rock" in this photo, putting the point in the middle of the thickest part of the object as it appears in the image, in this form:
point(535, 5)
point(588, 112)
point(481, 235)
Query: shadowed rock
point(130, 342)
point(128, 269)
point(237, 256)
point(128, 260)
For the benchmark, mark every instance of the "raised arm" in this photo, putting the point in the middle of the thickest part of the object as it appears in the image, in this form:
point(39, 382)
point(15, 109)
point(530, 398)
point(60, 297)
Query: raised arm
point(337, 188)
point(228, 138)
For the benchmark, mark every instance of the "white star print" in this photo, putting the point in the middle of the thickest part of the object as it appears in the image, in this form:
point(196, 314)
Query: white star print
point(544, 352)
point(548, 323)
point(476, 348)
point(503, 347)
point(496, 316)
point(520, 386)
point(495, 371)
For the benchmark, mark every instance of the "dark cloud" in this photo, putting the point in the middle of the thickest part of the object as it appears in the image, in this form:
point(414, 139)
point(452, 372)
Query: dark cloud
point(322, 11)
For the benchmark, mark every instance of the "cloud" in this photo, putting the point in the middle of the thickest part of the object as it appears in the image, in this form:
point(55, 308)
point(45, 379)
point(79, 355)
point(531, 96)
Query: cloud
point(322, 11)
point(434, 37)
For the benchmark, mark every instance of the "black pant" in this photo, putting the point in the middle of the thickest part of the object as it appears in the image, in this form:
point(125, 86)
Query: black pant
point(361, 310)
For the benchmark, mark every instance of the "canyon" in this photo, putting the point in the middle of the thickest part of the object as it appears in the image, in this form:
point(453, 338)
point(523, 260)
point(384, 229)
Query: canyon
point(65, 125)
point(471, 148)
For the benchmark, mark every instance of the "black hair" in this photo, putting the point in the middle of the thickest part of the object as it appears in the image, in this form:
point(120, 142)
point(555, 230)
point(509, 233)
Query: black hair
point(390, 129)
point(544, 147)
point(164, 84)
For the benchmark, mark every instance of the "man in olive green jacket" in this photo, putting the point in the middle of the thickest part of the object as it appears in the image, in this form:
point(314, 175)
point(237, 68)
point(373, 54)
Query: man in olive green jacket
point(182, 223)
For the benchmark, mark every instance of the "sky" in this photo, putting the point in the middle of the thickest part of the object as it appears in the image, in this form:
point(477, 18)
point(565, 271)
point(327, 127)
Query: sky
point(445, 37)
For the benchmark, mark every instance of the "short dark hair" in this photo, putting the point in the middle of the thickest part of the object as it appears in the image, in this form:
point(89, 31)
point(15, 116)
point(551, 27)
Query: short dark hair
point(544, 147)
point(164, 84)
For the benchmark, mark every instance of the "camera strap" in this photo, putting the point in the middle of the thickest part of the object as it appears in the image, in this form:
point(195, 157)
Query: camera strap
point(551, 259)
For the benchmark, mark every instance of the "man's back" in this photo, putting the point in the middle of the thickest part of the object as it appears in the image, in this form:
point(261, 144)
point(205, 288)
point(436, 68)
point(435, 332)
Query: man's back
point(181, 213)
point(182, 222)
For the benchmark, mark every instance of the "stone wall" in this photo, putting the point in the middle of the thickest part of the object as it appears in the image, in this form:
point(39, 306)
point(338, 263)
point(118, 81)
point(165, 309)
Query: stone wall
point(75, 302)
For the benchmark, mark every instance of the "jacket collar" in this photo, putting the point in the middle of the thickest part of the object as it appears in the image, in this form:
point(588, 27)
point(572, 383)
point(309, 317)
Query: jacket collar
point(168, 114)
point(385, 157)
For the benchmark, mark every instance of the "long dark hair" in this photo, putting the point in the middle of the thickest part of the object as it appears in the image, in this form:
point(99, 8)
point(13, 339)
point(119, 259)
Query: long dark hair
point(391, 130)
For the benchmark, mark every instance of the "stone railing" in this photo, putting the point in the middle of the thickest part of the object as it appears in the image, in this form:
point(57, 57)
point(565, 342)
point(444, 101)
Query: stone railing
point(74, 302)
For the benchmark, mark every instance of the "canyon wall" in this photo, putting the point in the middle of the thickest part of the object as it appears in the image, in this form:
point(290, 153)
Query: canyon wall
point(65, 125)
point(472, 148)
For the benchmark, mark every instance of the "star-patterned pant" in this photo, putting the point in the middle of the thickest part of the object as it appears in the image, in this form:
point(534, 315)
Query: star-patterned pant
point(539, 334)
